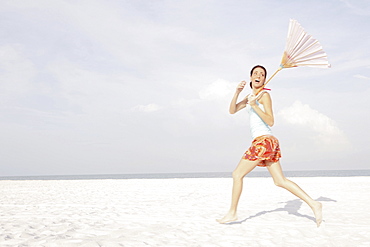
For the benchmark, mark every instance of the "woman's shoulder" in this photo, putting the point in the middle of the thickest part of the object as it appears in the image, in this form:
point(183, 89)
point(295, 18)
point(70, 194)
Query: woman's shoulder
point(264, 95)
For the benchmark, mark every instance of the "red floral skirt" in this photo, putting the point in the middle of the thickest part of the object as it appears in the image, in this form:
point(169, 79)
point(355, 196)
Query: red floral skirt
point(264, 148)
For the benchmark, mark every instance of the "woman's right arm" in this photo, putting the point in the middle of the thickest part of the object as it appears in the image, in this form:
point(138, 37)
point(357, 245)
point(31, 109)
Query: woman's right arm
point(235, 107)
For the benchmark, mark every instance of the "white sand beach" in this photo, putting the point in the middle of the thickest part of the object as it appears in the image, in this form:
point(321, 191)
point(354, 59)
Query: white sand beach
point(181, 212)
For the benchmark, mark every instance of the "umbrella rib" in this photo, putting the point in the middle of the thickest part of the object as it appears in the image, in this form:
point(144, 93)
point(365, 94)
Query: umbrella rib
point(307, 48)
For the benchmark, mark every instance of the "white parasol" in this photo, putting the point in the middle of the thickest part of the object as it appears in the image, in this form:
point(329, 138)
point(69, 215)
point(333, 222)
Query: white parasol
point(301, 49)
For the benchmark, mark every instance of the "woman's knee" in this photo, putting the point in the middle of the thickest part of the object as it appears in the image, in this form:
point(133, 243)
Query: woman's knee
point(237, 175)
point(280, 182)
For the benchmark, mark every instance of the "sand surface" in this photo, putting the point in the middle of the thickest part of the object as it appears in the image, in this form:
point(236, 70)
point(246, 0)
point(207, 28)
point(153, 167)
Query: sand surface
point(181, 212)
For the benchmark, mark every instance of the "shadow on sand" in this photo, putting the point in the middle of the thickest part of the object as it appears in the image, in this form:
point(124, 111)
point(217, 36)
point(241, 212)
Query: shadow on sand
point(291, 207)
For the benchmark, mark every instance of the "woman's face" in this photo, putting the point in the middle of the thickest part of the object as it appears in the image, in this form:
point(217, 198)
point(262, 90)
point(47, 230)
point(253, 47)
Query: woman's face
point(258, 77)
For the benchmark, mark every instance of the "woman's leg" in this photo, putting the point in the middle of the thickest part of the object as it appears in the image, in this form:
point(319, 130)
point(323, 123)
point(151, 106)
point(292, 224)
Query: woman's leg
point(280, 180)
point(243, 168)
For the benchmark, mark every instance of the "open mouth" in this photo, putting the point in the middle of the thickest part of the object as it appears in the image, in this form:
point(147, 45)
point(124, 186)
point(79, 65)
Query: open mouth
point(257, 80)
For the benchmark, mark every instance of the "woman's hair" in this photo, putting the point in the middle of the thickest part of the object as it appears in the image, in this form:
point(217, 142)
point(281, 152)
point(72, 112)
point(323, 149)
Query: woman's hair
point(257, 66)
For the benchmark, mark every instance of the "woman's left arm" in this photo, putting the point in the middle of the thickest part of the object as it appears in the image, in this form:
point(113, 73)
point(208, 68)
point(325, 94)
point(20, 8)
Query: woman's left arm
point(267, 115)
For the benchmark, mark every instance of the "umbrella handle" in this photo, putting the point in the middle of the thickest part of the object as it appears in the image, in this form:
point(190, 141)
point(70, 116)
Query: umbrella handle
point(280, 68)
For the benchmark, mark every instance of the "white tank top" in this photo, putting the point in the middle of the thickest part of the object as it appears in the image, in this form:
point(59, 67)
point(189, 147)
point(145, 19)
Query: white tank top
point(257, 125)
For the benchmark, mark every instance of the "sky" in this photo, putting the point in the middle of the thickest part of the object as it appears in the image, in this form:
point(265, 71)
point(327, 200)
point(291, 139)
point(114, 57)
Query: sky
point(120, 87)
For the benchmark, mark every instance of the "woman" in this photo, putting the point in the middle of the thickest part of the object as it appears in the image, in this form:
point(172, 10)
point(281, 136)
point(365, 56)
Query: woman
point(264, 150)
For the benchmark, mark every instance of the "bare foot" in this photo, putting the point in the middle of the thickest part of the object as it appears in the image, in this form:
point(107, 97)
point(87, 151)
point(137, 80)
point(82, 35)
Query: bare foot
point(229, 217)
point(317, 210)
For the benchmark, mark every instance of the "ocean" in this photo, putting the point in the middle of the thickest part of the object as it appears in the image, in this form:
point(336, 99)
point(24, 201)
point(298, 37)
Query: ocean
point(317, 173)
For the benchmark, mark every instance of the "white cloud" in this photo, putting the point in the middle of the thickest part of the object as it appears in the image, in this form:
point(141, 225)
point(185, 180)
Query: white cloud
point(327, 133)
point(358, 7)
point(362, 77)
point(146, 108)
point(216, 90)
